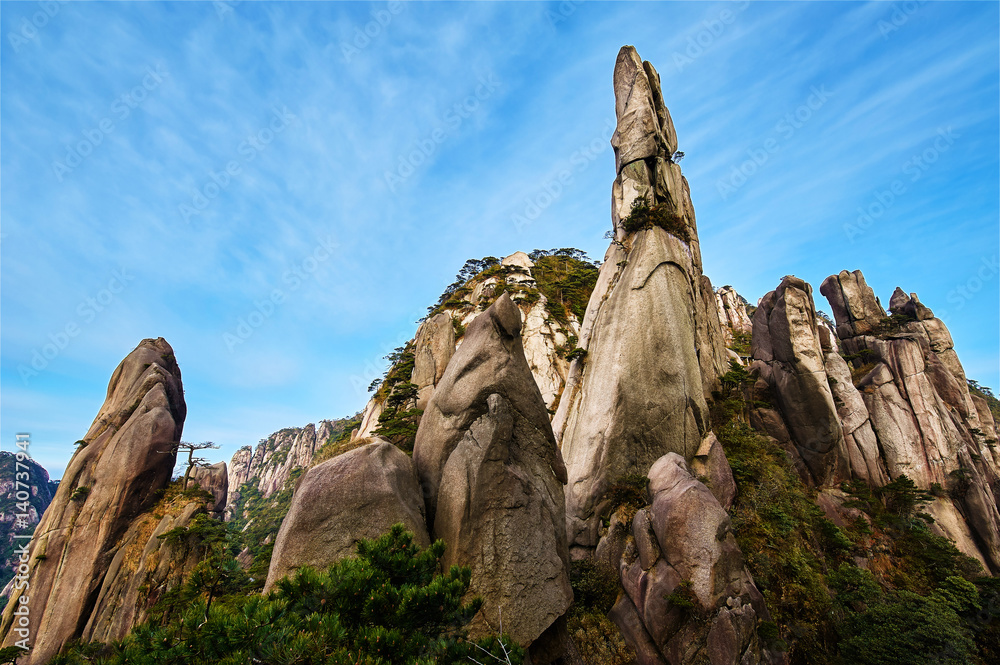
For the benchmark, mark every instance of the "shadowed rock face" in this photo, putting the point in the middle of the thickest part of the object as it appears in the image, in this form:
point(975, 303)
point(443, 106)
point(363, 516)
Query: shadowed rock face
point(493, 477)
point(685, 537)
point(924, 422)
point(652, 331)
point(433, 345)
point(788, 355)
point(353, 496)
point(108, 482)
point(144, 568)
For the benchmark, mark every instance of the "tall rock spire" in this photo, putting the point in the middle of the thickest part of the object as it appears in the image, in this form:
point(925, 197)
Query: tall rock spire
point(651, 331)
point(111, 479)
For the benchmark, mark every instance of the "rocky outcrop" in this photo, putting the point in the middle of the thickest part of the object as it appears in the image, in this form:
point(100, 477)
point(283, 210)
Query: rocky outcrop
point(359, 494)
point(493, 478)
point(688, 596)
point(16, 518)
point(788, 356)
point(275, 457)
point(854, 304)
point(732, 313)
point(145, 567)
point(652, 331)
point(434, 344)
point(213, 479)
point(926, 424)
point(112, 478)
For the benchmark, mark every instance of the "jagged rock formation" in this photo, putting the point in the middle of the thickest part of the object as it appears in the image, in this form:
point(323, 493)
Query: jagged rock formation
point(789, 357)
point(357, 495)
point(493, 477)
point(732, 313)
point(275, 457)
point(11, 522)
point(110, 480)
point(214, 480)
point(893, 402)
point(143, 569)
point(682, 545)
point(544, 339)
point(652, 331)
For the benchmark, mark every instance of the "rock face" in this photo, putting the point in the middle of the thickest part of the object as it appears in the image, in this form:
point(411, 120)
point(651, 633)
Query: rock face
point(434, 344)
point(275, 457)
point(214, 480)
point(107, 484)
point(11, 522)
point(141, 572)
point(732, 313)
point(901, 407)
point(682, 544)
point(359, 494)
point(493, 478)
point(652, 330)
point(788, 355)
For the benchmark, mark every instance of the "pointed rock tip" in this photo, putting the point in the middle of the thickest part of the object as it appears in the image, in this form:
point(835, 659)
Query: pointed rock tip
point(507, 315)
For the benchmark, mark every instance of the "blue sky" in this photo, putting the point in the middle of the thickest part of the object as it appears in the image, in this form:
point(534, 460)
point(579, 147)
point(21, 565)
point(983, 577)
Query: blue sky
point(280, 195)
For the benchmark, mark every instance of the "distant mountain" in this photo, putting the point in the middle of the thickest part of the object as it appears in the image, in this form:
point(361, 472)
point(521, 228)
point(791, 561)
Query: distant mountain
point(40, 493)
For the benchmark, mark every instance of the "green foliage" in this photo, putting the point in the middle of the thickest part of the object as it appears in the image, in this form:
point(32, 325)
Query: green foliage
point(11, 654)
point(683, 597)
point(257, 520)
point(630, 491)
point(566, 277)
point(337, 443)
point(645, 216)
point(397, 423)
point(595, 587)
point(80, 493)
point(891, 325)
point(389, 606)
point(904, 628)
point(741, 343)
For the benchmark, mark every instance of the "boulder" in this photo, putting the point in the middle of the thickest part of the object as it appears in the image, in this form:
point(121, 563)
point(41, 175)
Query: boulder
point(683, 545)
point(854, 304)
point(493, 478)
point(111, 479)
point(214, 480)
point(489, 361)
point(358, 495)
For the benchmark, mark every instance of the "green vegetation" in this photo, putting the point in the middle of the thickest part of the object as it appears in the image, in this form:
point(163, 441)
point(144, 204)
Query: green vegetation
point(595, 589)
point(257, 519)
point(397, 423)
point(922, 601)
point(741, 344)
point(389, 606)
point(337, 444)
point(645, 216)
point(80, 493)
point(566, 277)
